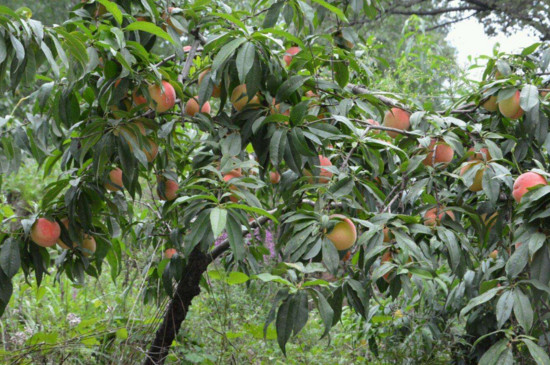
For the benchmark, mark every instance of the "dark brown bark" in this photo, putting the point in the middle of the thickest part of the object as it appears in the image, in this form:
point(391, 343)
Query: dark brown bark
point(187, 289)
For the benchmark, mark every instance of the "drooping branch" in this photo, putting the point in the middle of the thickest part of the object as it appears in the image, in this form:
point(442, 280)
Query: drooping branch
point(359, 90)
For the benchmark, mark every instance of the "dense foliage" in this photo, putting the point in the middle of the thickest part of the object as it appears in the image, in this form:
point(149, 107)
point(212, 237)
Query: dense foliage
point(287, 145)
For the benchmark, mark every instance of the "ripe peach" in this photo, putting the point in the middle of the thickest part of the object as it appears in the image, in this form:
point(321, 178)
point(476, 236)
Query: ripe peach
point(477, 184)
point(138, 99)
point(387, 234)
point(347, 256)
point(88, 246)
point(169, 191)
point(216, 91)
point(398, 119)
point(483, 154)
point(239, 98)
point(274, 177)
point(292, 51)
point(386, 257)
point(276, 109)
point(192, 107)
point(150, 149)
point(45, 233)
point(65, 222)
point(162, 100)
point(439, 152)
point(114, 181)
point(432, 218)
point(494, 254)
point(510, 107)
point(490, 104)
point(311, 94)
point(344, 234)
point(373, 123)
point(525, 181)
point(230, 175)
point(169, 253)
point(324, 175)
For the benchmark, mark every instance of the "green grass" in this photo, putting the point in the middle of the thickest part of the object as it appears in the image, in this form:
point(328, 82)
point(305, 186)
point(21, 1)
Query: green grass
point(224, 326)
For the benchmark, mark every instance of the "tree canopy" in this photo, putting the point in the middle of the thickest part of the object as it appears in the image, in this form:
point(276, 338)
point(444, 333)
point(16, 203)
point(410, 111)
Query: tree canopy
point(268, 118)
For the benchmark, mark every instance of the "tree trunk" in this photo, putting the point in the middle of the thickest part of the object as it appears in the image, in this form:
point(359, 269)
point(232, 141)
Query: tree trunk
point(188, 288)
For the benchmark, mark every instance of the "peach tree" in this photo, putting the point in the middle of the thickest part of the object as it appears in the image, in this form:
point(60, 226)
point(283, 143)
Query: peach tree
point(187, 128)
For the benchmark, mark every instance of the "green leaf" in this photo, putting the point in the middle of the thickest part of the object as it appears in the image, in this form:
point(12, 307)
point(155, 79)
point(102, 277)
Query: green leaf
point(3, 50)
point(330, 255)
point(517, 262)
point(218, 218)
point(10, 262)
point(245, 60)
point(290, 86)
point(254, 209)
point(277, 146)
point(341, 72)
point(113, 9)
point(474, 302)
point(266, 277)
point(273, 14)
point(48, 53)
point(225, 52)
point(325, 310)
point(235, 236)
point(150, 28)
point(504, 307)
point(6, 289)
point(284, 324)
point(523, 309)
point(529, 97)
point(333, 9)
point(300, 307)
point(497, 354)
point(121, 333)
point(236, 277)
point(538, 354)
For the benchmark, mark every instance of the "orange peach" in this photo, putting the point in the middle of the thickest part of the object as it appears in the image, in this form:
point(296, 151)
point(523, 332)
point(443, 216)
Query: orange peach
point(230, 175)
point(169, 253)
point(490, 104)
point(483, 154)
point(169, 190)
point(45, 233)
point(524, 182)
point(239, 98)
point(386, 257)
point(398, 119)
point(324, 174)
point(88, 245)
point(114, 182)
point(162, 100)
point(292, 51)
point(344, 233)
point(65, 222)
point(510, 107)
point(433, 216)
point(477, 184)
point(274, 177)
point(192, 107)
point(439, 152)
point(216, 91)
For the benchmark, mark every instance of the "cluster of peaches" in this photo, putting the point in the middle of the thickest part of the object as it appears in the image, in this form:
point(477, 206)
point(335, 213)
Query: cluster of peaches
point(344, 234)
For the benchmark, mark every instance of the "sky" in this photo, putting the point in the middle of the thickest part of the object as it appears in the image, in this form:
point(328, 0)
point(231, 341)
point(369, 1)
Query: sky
point(469, 39)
